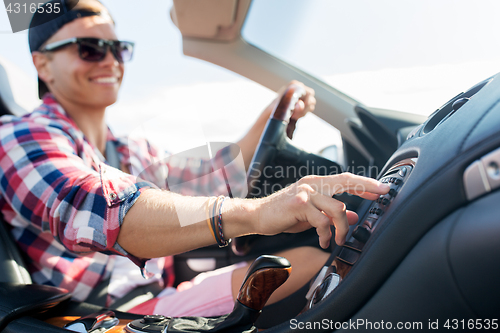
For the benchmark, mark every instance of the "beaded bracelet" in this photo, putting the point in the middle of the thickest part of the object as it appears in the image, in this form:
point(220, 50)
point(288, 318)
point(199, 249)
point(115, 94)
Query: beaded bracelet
point(217, 222)
point(221, 234)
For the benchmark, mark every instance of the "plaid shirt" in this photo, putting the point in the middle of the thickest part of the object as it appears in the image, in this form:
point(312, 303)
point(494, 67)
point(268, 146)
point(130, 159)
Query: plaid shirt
point(66, 205)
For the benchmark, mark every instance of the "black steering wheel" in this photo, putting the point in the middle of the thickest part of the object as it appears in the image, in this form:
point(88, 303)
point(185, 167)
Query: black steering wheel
point(275, 138)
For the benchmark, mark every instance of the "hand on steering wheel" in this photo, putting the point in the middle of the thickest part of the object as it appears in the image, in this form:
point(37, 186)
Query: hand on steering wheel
point(293, 102)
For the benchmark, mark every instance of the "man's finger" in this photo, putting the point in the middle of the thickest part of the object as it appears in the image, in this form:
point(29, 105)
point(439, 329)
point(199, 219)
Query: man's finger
point(336, 210)
point(352, 217)
point(365, 195)
point(322, 224)
point(299, 110)
point(345, 182)
point(310, 100)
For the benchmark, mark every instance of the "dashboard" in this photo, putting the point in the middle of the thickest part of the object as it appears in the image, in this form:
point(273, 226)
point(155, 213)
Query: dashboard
point(425, 251)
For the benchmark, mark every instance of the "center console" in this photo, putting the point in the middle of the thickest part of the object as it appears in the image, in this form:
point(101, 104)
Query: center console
point(370, 219)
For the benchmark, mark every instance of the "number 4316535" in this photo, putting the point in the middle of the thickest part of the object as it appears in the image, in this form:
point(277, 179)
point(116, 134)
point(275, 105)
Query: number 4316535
point(478, 324)
point(40, 7)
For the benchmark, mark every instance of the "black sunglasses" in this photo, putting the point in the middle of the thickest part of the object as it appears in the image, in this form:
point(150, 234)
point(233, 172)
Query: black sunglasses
point(95, 49)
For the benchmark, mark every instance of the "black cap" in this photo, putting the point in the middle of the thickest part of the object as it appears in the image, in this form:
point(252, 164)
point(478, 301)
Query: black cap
point(46, 23)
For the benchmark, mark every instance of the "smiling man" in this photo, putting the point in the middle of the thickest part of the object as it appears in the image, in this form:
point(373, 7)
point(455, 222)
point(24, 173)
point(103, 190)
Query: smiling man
point(78, 215)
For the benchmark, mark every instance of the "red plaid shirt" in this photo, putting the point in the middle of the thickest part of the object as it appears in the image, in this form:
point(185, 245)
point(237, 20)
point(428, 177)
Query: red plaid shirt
point(66, 205)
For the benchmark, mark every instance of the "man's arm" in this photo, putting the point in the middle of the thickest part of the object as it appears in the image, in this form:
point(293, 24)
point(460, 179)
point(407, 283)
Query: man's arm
point(163, 223)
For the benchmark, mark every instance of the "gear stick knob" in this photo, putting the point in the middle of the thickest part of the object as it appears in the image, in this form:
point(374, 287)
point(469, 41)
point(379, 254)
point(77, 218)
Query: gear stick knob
point(263, 277)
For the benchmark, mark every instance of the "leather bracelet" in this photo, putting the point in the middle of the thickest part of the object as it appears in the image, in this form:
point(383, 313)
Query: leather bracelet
point(212, 230)
point(213, 222)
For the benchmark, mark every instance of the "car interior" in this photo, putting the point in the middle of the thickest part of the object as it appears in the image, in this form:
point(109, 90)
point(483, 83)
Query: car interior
point(427, 252)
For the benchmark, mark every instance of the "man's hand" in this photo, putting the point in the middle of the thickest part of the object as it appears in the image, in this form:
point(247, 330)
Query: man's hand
point(309, 203)
point(304, 105)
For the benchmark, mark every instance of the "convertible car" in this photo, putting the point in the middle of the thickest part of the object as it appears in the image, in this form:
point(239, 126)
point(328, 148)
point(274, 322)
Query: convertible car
point(426, 256)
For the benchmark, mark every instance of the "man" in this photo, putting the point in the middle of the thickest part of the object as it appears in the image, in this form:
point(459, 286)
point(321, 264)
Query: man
point(72, 213)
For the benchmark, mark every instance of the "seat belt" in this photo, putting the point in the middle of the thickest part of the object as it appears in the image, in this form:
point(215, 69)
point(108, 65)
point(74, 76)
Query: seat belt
point(99, 293)
point(112, 156)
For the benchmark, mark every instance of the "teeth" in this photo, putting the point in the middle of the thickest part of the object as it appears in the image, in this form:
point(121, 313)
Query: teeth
point(106, 80)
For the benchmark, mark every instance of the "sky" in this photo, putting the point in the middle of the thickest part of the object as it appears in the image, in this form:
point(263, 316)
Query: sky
point(410, 55)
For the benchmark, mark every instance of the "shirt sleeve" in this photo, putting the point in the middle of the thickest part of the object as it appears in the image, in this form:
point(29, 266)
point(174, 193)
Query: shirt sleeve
point(48, 184)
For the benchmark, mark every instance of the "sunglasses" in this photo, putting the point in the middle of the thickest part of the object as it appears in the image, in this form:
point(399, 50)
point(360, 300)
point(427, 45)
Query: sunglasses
point(95, 49)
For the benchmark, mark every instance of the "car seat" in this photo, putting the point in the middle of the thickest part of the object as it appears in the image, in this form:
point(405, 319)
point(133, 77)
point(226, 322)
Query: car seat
point(13, 101)
point(12, 266)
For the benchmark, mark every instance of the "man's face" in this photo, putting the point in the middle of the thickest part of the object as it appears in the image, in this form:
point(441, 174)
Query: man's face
point(90, 84)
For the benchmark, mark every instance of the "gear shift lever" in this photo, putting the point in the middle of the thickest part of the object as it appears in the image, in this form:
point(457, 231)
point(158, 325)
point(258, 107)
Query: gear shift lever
point(263, 277)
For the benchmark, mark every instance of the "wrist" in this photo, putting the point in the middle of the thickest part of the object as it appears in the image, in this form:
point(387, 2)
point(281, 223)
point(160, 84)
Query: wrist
point(239, 216)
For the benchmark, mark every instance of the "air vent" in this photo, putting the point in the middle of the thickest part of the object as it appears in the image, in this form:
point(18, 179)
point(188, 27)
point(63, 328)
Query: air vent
point(448, 109)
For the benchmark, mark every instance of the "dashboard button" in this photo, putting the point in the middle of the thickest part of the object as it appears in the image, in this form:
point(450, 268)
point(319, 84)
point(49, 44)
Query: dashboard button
point(370, 222)
point(384, 200)
point(375, 210)
point(361, 233)
point(356, 246)
point(392, 192)
point(348, 256)
point(402, 172)
point(397, 181)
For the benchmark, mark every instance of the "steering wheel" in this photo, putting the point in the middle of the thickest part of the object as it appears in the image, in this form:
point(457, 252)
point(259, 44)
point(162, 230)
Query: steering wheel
point(279, 127)
point(275, 149)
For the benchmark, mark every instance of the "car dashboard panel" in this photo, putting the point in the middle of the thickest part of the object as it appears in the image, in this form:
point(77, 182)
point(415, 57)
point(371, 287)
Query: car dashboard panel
point(425, 251)
point(395, 178)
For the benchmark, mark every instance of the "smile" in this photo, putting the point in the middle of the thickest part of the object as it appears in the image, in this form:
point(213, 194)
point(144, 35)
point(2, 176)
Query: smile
point(105, 80)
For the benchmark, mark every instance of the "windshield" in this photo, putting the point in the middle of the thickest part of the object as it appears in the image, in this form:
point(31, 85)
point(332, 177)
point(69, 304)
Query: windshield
point(403, 55)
